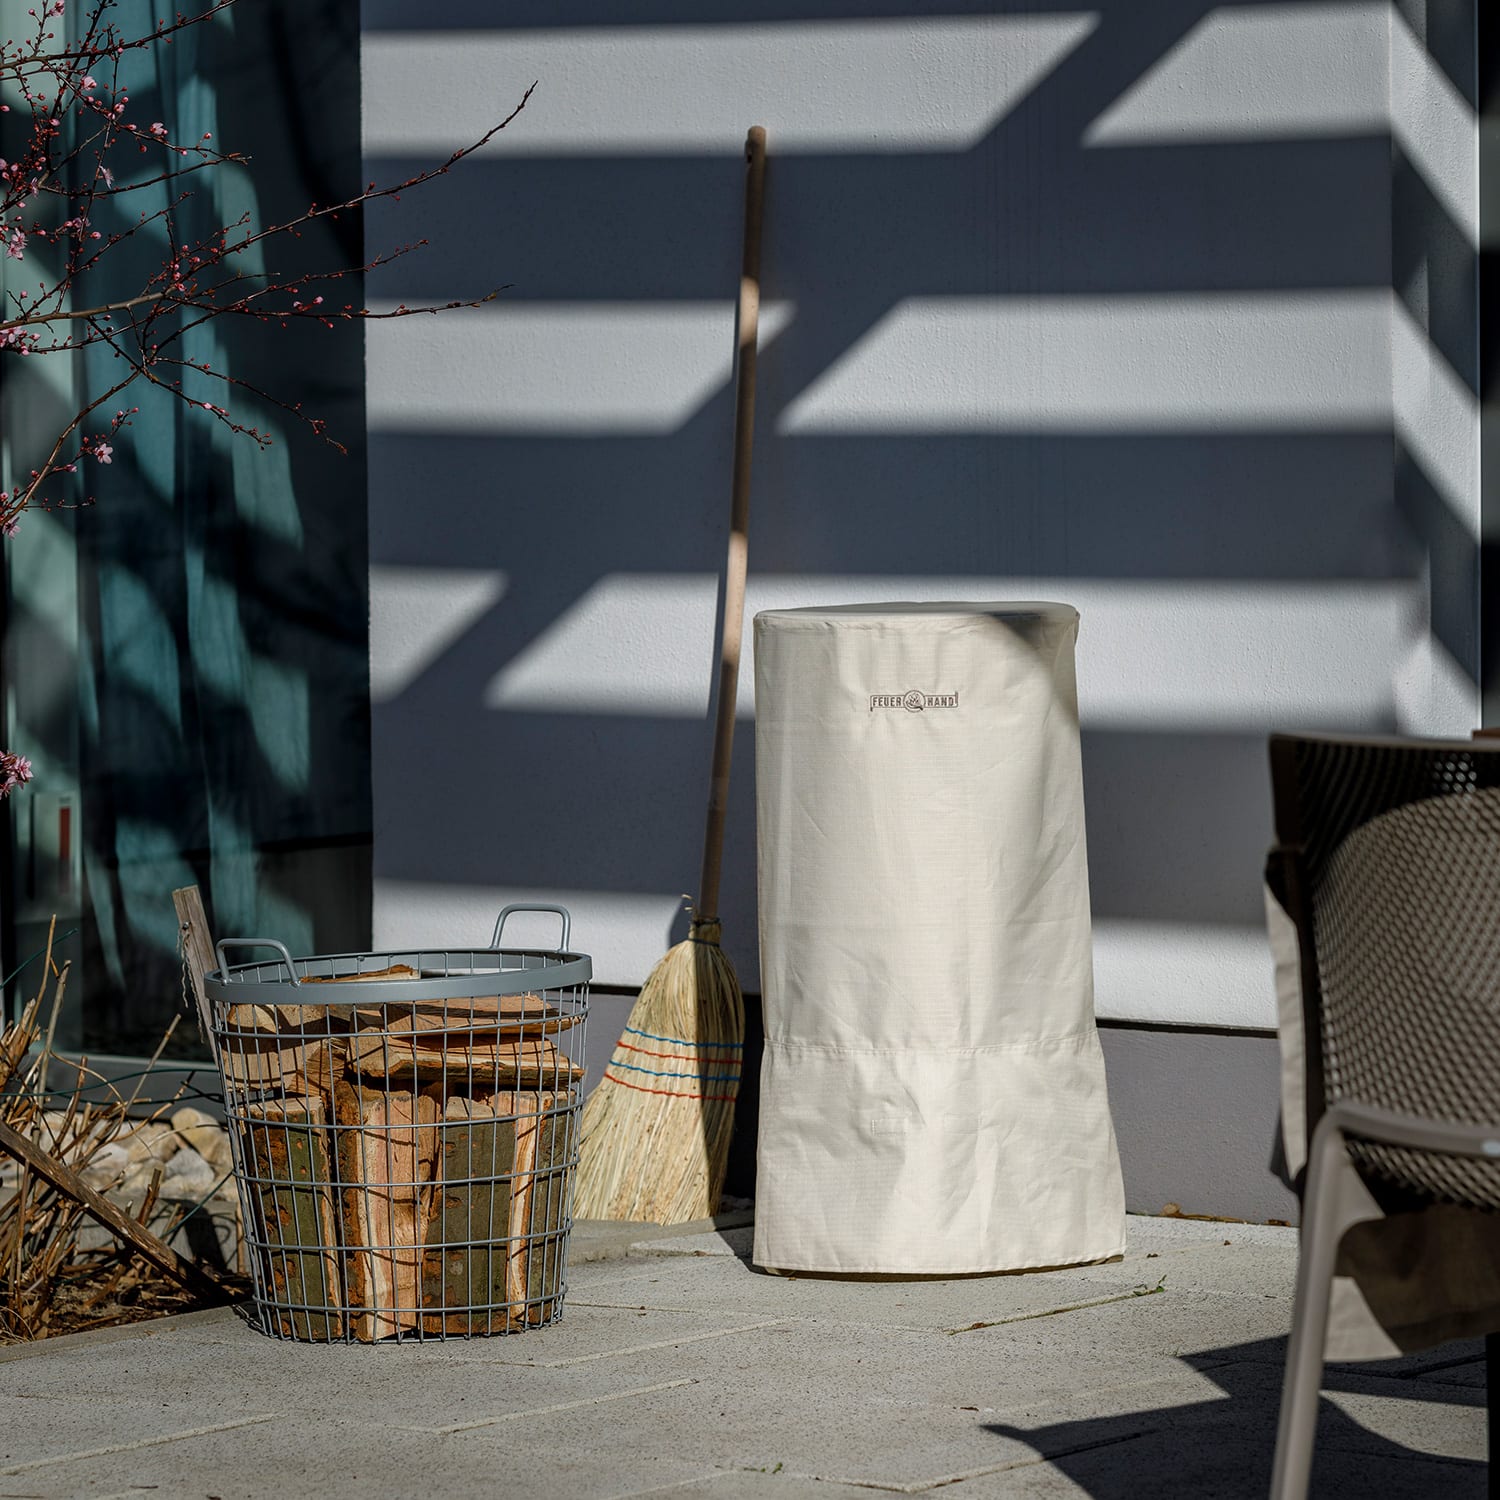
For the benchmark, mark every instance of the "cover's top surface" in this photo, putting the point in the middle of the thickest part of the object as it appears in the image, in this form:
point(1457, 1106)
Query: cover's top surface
point(917, 613)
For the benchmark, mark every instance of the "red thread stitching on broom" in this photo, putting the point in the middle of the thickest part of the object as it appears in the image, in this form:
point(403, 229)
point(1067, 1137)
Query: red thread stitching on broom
point(674, 1057)
point(669, 1093)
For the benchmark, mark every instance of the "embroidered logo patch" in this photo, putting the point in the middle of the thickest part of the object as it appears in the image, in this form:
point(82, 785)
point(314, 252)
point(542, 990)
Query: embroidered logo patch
point(913, 701)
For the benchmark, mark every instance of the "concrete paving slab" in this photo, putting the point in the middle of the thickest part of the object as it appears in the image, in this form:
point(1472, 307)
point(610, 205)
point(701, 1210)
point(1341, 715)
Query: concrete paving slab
point(849, 1432)
point(809, 1412)
point(654, 1348)
point(1469, 1373)
point(914, 1304)
point(912, 1446)
point(362, 1463)
point(1145, 1235)
point(610, 1333)
point(887, 1364)
point(1221, 1266)
point(127, 1333)
point(1449, 1428)
point(1173, 1323)
point(760, 1484)
point(1044, 1363)
point(431, 1386)
point(1223, 1446)
point(690, 1374)
point(694, 1345)
point(612, 1239)
point(1428, 1362)
point(34, 1427)
point(582, 1279)
point(1203, 1441)
point(1225, 1458)
point(820, 1406)
point(898, 1434)
point(85, 1443)
point(605, 1239)
point(1149, 1232)
point(735, 1242)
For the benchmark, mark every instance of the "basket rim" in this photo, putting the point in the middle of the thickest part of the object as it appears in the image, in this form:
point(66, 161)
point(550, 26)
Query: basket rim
point(268, 982)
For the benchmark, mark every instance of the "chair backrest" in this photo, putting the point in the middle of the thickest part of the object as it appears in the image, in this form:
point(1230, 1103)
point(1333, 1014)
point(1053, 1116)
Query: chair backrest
point(1389, 863)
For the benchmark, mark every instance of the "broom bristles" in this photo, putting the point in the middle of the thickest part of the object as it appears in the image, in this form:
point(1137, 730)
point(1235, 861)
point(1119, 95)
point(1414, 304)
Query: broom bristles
point(655, 1133)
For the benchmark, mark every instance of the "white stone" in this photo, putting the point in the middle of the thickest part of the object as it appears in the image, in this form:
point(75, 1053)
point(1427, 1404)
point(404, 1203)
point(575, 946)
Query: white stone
point(188, 1175)
point(216, 1151)
point(139, 1178)
point(204, 1134)
point(193, 1124)
point(72, 1141)
point(106, 1167)
point(154, 1142)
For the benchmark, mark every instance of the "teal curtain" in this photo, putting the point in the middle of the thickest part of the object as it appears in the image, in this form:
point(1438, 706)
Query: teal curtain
point(223, 681)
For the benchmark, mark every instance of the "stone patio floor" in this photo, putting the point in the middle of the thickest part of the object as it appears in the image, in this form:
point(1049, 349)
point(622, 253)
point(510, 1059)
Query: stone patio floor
point(681, 1371)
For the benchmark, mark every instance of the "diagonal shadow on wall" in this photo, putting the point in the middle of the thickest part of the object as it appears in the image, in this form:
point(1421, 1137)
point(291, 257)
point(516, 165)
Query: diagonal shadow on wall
point(1028, 211)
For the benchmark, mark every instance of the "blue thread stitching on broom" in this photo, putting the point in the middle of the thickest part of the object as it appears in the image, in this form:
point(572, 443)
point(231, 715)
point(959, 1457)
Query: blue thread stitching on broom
point(677, 1041)
point(660, 1073)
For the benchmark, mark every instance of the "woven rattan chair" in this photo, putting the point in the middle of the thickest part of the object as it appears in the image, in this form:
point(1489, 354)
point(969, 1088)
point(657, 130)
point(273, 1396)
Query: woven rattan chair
point(1388, 861)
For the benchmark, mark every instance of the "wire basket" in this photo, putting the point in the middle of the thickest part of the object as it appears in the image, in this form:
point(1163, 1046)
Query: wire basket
point(405, 1132)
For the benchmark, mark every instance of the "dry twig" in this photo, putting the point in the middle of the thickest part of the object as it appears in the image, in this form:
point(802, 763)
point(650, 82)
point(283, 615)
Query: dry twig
point(48, 1280)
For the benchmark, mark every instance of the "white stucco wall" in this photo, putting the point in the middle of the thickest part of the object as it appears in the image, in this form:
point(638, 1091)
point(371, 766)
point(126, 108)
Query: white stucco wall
point(1085, 304)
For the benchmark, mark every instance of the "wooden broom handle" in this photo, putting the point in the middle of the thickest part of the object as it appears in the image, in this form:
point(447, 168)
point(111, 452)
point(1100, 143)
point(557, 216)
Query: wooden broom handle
point(747, 327)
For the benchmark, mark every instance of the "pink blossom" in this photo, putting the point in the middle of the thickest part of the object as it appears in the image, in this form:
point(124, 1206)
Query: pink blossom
point(158, 129)
point(104, 453)
point(15, 770)
point(15, 245)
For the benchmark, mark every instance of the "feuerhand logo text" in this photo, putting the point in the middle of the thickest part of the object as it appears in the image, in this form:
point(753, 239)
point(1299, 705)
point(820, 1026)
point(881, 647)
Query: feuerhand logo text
point(913, 702)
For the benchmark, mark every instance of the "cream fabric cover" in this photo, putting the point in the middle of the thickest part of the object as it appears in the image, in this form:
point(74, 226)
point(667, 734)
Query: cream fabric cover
point(933, 1096)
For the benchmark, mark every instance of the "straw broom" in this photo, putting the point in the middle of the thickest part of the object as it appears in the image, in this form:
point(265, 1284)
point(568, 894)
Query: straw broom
point(655, 1136)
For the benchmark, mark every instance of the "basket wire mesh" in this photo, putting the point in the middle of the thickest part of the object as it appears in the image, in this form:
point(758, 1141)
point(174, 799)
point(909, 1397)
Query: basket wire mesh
point(405, 1135)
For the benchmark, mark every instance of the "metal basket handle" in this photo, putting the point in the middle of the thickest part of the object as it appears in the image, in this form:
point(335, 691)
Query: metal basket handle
point(561, 911)
point(286, 957)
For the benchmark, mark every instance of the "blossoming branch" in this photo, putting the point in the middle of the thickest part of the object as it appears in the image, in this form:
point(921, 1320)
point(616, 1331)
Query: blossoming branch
point(82, 148)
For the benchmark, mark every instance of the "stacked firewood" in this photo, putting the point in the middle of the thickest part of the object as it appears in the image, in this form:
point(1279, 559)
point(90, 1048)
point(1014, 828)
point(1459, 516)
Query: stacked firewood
point(404, 1164)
